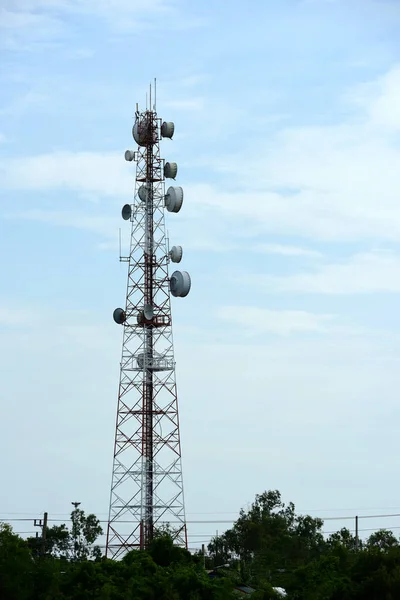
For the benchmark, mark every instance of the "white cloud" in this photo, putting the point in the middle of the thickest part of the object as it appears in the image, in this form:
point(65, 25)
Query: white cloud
point(361, 274)
point(25, 103)
point(285, 250)
point(106, 174)
point(194, 104)
point(15, 316)
point(21, 26)
point(380, 99)
point(257, 320)
point(339, 182)
point(304, 391)
point(100, 224)
point(26, 24)
point(32, 320)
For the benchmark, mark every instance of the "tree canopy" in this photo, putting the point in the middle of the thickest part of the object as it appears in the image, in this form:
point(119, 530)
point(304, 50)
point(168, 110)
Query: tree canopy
point(269, 547)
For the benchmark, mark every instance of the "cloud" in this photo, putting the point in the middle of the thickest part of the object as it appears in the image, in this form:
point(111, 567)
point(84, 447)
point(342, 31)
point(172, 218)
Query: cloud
point(257, 320)
point(26, 24)
point(106, 174)
point(304, 391)
point(26, 103)
point(333, 182)
point(380, 99)
point(21, 25)
point(194, 104)
point(336, 181)
point(102, 225)
point(16, 316)
point(285, 250)
point(370, 272)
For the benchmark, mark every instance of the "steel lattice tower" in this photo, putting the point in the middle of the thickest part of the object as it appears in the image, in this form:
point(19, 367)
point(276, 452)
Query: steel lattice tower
point(147, 486)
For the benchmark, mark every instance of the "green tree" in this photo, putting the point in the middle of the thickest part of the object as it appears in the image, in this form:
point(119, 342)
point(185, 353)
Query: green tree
point(269, 540)
point(16, 566)
point(382, 540)
point(77, 543)
point(84, 532)
point(343, 538)
point(164, 552)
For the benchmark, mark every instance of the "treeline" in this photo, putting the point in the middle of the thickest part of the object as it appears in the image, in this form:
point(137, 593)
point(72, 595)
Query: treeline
point(73, 569)
point(270, 544)
point(268, 547)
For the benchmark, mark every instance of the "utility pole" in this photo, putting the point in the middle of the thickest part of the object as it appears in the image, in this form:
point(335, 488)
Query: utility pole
point(44, 531)
point(43, 525)
point(356, 532)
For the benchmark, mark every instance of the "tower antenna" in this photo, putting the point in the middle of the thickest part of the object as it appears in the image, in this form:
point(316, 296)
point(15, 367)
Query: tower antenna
point(147, 485)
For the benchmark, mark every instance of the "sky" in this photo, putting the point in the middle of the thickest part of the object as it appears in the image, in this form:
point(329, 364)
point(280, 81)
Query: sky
point(287, 119)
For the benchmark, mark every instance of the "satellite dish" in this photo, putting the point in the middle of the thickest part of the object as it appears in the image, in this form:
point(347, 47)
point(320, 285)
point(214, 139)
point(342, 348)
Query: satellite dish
point(143, 192)
point(143, 132)
point(148, 312)
point(174, 199)
point(176, 253)
point(167, 129)
point(140, 360)
point(180, 284)
point(170, 170)
point(129, 155)
point(126, 212)
point(119, 316)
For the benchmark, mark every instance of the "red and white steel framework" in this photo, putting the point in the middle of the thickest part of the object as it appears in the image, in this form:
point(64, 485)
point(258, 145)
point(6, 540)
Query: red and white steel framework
point(147, 485)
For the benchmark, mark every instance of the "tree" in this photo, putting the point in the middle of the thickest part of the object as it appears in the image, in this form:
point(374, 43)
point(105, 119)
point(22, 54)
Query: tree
point(164, 553)
point(84, 532)
point(16, 566)
point(269, 540)
point(382, 540)
point(74, 544)
point(343, 538)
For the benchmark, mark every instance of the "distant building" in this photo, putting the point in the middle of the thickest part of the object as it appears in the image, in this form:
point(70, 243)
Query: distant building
point(244, 590)
point(241, 590)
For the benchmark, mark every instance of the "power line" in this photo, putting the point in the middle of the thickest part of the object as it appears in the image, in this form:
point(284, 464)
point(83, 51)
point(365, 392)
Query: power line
point(227, 521)
point(235, 512)
point(224, 521)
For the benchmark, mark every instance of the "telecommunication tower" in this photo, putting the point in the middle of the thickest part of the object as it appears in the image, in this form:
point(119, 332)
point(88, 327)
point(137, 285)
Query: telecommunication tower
point(147, 485)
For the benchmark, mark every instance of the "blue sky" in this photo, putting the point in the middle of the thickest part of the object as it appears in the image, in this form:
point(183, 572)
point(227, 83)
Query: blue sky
point(287, 117)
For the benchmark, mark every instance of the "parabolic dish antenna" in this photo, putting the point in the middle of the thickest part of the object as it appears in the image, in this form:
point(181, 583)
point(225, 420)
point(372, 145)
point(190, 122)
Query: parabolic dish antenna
point(129, 155)
point(167, 129)
point(170, 170)
point(174, 199)
point(143, 132)
point(143, 192)
point(180, 284)
point(148, 312)
point(176, 254)
point(119, 316)
point(126, 212)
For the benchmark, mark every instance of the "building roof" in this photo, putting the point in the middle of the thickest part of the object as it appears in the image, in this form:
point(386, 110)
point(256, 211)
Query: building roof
point(244, 589)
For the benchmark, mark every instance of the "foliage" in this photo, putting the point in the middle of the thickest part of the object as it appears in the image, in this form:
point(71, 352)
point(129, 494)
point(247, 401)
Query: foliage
point(68, 570)
point(276, 547)
point(16, 565)
point(269, 538)
point(74, 544)
point(268, 546)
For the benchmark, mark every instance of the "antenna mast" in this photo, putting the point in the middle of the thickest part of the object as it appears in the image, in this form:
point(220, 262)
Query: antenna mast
point(147, 485)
